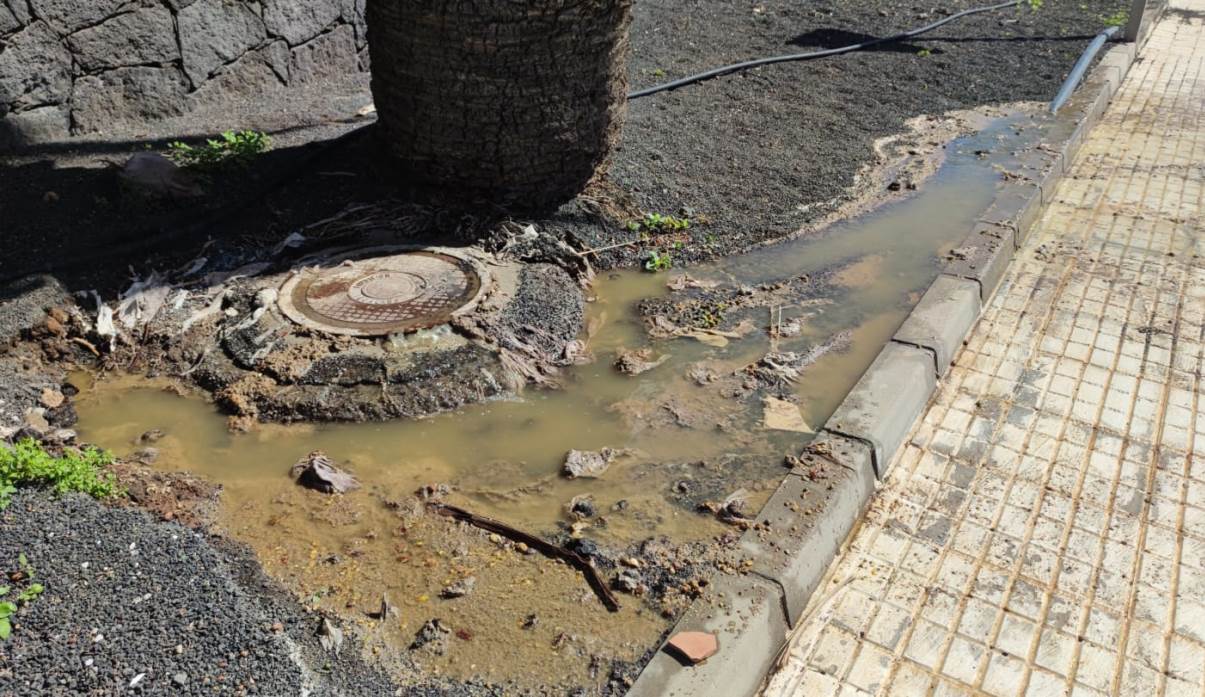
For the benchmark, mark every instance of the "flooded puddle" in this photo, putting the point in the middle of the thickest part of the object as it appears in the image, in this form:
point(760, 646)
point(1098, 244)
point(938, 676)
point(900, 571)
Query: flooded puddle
point(528, 619)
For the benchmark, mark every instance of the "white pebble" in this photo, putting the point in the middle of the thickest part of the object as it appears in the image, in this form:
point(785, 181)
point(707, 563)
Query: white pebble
point(137, 679)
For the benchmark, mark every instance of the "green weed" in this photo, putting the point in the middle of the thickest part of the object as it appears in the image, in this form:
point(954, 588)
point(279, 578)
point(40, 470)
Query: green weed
point(1117, 19)
point(657, 223)
point(230, 148)
point(27, 595)
point(924, 53)
point(27, 463)
point(658, 261)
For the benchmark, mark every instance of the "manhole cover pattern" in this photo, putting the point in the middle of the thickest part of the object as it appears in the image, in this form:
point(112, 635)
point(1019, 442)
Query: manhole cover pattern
point(403, 292)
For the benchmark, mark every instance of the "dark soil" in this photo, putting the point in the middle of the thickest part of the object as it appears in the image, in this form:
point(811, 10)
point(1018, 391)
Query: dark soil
point(748, 158)
point(750, 151)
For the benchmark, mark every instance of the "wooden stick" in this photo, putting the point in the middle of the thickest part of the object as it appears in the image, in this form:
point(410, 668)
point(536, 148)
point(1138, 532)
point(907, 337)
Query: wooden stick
point(550, 550)
point(610, 247)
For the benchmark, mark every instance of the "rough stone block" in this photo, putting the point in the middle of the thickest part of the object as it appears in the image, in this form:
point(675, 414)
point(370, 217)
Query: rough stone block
point(38, 125)
point(19, 10)
point(67, 16)
point(250, 75)
point(984, 257)
point(751, 627)
point(352, 12)
point(887, 401)
point(125, 93)
point(942, 319)
point(8, 21)
point(216, 32)
point(298, 22)
point(330, 55)
point(802, 526)
point(141, 37)
point(35, 69)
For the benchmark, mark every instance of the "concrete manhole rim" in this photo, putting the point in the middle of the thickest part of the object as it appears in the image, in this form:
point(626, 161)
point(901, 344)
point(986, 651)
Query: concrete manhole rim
point(331, 259)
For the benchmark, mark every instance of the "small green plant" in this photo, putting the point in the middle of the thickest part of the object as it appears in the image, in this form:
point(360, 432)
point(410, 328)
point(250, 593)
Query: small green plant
point(27, 595)
point(1117, 19)
point(924, 53)
point(231, 147)
point(658, 73)
point(658, 223)
point(658, 261)
point(27, 463)
point(1036, 4)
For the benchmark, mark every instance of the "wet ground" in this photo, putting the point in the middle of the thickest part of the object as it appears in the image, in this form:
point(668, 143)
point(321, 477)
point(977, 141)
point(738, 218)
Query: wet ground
point(693, 428)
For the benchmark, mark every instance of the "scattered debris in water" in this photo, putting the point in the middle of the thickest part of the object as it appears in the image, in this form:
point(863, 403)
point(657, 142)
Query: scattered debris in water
point(637, 361)
point(781, 415)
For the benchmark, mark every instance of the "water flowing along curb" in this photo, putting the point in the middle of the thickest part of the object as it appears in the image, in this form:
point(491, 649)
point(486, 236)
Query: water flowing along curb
point(801, 528)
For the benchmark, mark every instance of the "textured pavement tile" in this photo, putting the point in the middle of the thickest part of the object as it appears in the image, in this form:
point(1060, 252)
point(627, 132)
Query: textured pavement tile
point(1042, 530)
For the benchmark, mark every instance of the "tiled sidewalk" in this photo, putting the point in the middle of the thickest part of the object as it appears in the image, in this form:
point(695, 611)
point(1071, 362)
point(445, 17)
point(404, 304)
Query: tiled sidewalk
point(1043, 533)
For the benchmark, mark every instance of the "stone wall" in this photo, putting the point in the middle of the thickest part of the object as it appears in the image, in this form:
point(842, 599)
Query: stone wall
point(81, 66)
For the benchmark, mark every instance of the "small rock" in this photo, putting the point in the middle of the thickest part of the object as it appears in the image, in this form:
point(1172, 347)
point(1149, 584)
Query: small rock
point(153, 175)
point(629, 581)
point(433, 635)
point(584, 463)
point(495, 538)
point(317, 471)
point(582, 506)
point(151, 436)
point(35, 420)
point(693, 647)
point(55, 327)
point(146, 456)
point(180, 679)
point(330, 636)
point(459, 589)
point(531, 621)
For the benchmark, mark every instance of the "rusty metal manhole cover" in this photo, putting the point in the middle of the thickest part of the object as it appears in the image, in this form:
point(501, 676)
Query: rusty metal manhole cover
point(401, 292)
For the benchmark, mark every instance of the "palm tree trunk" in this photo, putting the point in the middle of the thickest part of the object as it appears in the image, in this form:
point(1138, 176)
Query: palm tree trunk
point(520, 101)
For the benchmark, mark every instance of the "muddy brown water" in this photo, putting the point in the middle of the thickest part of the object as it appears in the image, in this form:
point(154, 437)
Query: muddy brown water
point(502, 459)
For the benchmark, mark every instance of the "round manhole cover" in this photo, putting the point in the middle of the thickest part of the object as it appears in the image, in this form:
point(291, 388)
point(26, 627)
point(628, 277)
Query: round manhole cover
point(382, 295)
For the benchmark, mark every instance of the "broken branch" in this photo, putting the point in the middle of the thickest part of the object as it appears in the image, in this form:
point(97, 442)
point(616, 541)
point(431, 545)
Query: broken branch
point(547, 549)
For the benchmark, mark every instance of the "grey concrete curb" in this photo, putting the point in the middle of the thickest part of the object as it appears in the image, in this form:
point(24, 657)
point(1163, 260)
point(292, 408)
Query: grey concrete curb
point(802, 527)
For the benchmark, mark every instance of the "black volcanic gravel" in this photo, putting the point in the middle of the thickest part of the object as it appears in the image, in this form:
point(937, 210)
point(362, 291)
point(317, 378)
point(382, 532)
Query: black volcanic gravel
point(128, 596)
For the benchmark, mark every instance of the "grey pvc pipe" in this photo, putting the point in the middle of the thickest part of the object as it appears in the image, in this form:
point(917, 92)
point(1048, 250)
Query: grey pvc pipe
point(1081, 67)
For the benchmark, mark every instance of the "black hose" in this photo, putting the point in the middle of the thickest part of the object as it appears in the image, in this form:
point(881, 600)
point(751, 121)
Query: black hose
point(737, 67)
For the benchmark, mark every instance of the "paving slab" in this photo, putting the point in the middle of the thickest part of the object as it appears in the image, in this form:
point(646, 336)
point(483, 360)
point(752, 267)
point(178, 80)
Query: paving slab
point(1042, 530)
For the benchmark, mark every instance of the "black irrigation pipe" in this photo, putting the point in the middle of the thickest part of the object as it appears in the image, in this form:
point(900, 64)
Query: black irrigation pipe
point(1081, 67)
point(737, 67)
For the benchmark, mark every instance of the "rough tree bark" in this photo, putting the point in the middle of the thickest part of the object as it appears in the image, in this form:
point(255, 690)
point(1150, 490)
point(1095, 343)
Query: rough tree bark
point(520, 101)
